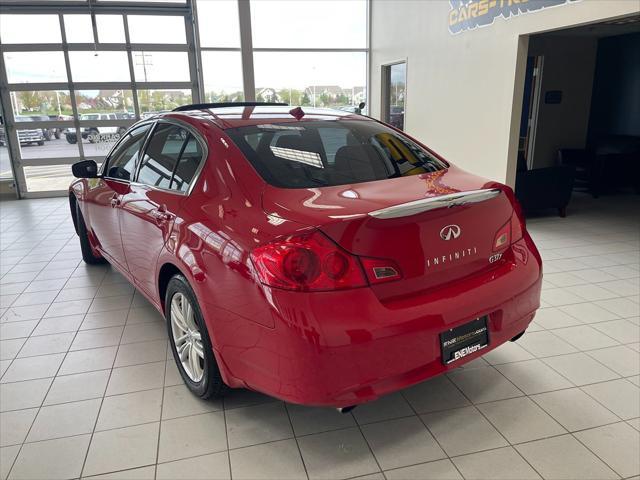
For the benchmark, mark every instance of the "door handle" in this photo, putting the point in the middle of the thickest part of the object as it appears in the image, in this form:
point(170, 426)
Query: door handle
point(161, 216)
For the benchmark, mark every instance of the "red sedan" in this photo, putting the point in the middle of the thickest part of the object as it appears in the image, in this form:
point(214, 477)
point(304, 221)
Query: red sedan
point(317, 256)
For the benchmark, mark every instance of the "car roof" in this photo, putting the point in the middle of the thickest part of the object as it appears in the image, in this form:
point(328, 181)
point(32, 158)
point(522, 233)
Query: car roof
point(242, 116)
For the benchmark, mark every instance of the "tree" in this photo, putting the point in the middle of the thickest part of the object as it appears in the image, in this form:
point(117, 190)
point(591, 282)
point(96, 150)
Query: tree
point(29, 101)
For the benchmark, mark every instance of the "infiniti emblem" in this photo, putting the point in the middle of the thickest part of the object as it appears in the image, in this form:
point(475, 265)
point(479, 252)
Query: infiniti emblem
point(449, 232)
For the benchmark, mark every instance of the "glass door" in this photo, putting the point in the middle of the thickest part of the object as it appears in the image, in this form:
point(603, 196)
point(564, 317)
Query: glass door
point(75, 80)
point(394, 82)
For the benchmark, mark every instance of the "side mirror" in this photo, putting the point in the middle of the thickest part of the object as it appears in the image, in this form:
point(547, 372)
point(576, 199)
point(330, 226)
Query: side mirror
point(361, 105)
point(85, 169)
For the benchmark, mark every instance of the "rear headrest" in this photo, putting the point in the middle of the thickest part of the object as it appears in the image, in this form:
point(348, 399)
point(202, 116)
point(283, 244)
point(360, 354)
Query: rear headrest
point(361, 161)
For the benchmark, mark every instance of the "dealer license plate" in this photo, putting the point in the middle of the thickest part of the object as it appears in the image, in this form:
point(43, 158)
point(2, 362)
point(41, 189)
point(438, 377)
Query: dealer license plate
point(464, 340)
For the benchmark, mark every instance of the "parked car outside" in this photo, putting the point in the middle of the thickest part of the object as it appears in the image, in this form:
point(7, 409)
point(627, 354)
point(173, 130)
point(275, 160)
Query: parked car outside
point(95, 133)
point(314, 255)
point(26, 136)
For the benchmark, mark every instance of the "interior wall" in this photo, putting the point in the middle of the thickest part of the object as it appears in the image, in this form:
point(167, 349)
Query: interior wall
point(615, 108)
point(464, 91)
point(569, 65)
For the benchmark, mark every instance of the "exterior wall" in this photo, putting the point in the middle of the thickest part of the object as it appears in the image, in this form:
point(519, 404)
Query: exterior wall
point(569, 65)
point(464, 91)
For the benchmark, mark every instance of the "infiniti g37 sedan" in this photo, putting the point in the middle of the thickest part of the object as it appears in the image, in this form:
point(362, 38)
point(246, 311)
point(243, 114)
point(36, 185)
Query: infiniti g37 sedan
point(317, 256)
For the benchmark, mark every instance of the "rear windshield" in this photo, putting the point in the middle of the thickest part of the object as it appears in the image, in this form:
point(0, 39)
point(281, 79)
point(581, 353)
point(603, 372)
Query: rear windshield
point(326, 153)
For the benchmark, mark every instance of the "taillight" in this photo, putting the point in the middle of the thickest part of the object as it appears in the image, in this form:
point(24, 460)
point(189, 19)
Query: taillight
point(307, 262)
point(509, 233)
point(503, 237)
point(380, 270)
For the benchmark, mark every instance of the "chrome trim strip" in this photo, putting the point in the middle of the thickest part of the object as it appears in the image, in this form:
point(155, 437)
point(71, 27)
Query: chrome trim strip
point(432, 203)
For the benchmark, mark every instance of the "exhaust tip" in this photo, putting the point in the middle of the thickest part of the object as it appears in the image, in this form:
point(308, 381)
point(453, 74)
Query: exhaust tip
point(346, 409)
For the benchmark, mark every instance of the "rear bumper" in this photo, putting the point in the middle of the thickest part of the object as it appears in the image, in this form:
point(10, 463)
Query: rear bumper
point(346, 348)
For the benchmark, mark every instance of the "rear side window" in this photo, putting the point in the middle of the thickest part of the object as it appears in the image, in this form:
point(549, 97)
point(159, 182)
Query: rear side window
point(122, 162)
point(327, 153)
point(171, 159)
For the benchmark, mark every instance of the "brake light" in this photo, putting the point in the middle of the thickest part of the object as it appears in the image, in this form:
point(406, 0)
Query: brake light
point(307, 262)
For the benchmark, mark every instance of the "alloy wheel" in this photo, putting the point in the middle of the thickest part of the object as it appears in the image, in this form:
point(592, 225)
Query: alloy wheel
point(187, 337)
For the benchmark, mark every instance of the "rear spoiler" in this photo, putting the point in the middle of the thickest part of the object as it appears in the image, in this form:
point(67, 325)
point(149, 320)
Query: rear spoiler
point(202, 106)
point(432, 203)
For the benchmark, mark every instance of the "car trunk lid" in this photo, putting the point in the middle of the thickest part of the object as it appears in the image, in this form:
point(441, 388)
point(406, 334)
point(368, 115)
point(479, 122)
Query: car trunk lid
point(435, 228)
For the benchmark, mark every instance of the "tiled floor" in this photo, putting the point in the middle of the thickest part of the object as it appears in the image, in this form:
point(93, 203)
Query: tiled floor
point(88, 387)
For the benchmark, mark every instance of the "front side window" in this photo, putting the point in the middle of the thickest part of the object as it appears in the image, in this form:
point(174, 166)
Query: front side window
point(171, 159)
point(122, 162)
point(327, 153)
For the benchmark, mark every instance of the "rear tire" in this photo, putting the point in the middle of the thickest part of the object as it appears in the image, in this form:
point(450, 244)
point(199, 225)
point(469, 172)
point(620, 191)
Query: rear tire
point(185, 325)
point(85, 245)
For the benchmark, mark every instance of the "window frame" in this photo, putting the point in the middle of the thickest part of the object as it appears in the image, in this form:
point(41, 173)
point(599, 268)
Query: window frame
point(196, 176)
point(105, 165)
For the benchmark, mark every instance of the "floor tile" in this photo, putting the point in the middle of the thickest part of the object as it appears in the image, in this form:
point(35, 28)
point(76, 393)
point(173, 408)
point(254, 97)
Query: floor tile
point(130, 409)
point(206, 467)
point(533, 376)
point(621, 307)
point(336, 455)
point(257, 424)
point(144, 332)
point(20, 329)
point(10, 348)
point(88, 360)
point(438, 470)
point(48, 326)
point(438, 393)
point(47, 344)
point(624, 331)
point(109, 319)
point(507, 353)
point(74, 307)
point(484, 384)
point(76, 387)
point(620, 396)
point(64, 420)
point(33, 367)
point(141, 352)
point(7, 457)
point(401, 442)
point(15, 425)
point(520, 420)
point(191, 436)
point(385, 408)
point(588, 312)
point(463, 430)
point(136, 378)
point(554, 318)
point(545, 344)
point(59, 458)
point(307, 420)
point(100, 337)
point(20, 395)
point(618, 445)
point(580, 368)
point(141, 473)
point(622, 360)
point(584, 337)
point(500, 464)
point(178, 401)
point(574, 409)
point(279, 460)
point(564, 458)
point(121, 449)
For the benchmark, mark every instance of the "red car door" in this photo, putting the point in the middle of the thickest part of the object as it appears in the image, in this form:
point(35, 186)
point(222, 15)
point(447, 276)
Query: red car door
point(150, 208)
point(104, 197)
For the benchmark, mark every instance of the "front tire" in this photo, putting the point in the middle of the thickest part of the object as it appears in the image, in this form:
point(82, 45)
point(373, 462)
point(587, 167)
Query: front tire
point(85, 244)
point(190, 341)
